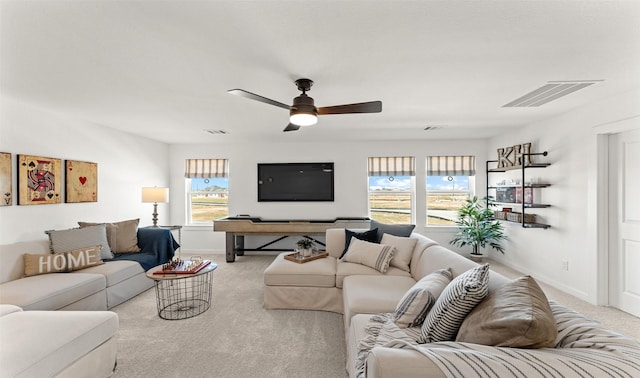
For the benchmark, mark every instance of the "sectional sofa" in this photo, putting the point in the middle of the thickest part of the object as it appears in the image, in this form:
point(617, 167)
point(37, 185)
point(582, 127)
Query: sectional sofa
point(38, 341)
point(478, 323)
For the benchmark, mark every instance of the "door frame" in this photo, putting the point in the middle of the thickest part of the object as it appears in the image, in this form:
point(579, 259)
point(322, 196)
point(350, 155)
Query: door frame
point(602, 133)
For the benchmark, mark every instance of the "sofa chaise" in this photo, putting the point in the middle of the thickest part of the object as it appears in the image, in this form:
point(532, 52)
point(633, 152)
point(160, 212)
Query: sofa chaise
point(371, 300)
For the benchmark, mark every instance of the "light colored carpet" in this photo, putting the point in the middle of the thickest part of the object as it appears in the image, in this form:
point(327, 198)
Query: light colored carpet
point(236, 337)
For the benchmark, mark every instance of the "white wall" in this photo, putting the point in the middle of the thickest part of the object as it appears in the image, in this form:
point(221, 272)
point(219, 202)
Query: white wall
point(351, 200)
point(572, 143)
point(126, 163)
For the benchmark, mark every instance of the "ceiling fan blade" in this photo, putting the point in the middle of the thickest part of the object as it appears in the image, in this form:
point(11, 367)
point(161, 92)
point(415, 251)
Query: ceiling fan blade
point(291, 127)
point(253, 96)
point(362, 107)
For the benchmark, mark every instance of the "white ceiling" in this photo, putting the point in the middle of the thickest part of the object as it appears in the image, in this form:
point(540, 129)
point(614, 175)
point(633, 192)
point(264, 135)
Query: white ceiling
point(162, 68)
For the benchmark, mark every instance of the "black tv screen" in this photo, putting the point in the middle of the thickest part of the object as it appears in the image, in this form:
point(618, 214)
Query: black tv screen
point(295, 182)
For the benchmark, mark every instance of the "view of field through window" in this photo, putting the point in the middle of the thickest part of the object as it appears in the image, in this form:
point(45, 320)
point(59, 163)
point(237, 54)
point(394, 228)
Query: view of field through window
point(209, 199)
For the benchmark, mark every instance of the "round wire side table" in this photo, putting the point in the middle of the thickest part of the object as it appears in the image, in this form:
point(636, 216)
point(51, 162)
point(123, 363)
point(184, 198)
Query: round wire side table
point(182, 296)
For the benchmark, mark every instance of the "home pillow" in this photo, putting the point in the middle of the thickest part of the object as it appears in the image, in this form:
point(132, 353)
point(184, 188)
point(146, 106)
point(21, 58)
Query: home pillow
point(373, 255)
point(62, 262)
point(456, 301)
point(122, 236)
point(517, 315)
point(370, 236)
point(416, 303)
point(404, 250)
point(404, 230)
point(75, 238)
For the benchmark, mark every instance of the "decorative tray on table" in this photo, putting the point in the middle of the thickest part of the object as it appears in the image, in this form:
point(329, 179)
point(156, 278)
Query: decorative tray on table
point(183, 267)
point(298, 258)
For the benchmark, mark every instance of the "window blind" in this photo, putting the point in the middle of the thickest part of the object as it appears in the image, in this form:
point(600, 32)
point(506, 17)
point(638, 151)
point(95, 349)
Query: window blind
point(392, 166)
point(451, 165)
point(206, 168)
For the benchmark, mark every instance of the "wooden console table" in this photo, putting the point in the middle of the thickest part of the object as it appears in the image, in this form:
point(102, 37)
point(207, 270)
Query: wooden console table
point(237, 228)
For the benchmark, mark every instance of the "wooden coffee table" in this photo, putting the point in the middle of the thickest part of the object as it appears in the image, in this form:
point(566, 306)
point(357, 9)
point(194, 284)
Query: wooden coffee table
point(184, 295)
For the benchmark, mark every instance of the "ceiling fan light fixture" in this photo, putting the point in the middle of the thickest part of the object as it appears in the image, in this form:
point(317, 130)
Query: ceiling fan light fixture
point(303, 119)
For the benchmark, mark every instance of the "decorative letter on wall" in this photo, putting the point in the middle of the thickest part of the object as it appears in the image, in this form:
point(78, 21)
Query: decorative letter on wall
point(82, 181)
point(39, 180)
point(514, 156)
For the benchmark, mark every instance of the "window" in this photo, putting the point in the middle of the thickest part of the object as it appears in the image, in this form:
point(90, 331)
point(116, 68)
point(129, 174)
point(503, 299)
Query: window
point(207, 182)
point(450, 181)
point(391, 188)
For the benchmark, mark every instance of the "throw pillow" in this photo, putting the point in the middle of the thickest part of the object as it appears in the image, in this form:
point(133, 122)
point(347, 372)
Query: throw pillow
point(121, 236)
point(416, 303)
point(373, 255)
point(62, 262)
point(403, 230)
point(370, 236)
point(517, 315)
point(404, 250)
point(68, 240)
point(456, 301)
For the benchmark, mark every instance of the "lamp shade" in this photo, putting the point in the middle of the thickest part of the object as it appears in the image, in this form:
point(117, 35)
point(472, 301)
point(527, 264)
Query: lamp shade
point(155, 195)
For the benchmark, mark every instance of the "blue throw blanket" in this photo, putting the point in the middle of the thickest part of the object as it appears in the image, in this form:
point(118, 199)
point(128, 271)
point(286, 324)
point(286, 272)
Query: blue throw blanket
point(157, 247)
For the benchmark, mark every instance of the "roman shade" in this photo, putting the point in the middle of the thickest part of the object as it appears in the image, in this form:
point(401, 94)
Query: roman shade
point(392, 166)
point(206, 168)
point(451, 165)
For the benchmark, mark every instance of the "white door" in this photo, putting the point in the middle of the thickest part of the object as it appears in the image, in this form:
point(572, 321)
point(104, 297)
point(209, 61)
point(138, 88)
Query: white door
point(624, 221)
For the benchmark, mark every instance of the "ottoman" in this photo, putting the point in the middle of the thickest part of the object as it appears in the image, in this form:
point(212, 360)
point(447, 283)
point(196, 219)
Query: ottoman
point(307, 286)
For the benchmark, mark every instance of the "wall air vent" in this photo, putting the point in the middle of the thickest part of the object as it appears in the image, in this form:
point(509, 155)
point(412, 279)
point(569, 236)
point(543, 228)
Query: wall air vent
point(553, 90)
point(211, 131)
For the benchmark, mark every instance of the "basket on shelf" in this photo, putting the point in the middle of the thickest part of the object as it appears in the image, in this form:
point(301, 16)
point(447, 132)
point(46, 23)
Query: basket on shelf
point(517, 217)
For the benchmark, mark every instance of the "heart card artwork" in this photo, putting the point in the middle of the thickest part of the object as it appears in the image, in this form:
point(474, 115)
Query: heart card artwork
point(82, 181)
point(39, 180)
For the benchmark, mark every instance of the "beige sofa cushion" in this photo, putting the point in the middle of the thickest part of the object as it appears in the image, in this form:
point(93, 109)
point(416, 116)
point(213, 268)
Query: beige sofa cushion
point(47, 342)
point(517, 315)
point(404, 250)
point(373, 255)
point(345, 269)
point(122, 236)
point(316, 273)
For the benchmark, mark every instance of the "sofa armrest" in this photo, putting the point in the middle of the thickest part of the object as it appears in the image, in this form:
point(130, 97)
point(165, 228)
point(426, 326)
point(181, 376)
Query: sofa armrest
point(6, 309)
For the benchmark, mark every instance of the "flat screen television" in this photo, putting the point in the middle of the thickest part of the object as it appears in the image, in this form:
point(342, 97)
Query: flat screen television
point(295, 182)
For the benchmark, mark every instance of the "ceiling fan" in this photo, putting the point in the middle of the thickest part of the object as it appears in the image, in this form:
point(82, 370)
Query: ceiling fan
point(303, 112)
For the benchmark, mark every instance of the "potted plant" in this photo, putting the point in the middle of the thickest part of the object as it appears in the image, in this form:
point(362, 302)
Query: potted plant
point(478, 228)
point(304, 247)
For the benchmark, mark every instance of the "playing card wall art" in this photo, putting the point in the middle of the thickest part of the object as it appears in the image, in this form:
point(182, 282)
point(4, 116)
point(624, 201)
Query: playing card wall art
point(5, 179)
point(82, 181)
point(39, 180)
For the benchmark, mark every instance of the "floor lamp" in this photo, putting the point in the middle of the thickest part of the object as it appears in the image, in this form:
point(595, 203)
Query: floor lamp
point(155, 195)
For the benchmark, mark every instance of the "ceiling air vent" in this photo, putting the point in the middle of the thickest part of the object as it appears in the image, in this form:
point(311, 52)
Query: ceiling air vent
point(431, 128)
point(211, 131)
point(553, 90)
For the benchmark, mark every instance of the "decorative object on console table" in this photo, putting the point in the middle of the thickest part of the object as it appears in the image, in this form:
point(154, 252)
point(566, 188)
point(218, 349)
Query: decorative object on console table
point(155, 195)
point(82, 181)
point(39, 180)
point(477, 227)
point(5, 179)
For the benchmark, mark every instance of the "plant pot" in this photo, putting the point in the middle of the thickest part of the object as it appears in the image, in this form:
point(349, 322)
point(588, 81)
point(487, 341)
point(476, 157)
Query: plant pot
point(306, 252)
point(476, 257)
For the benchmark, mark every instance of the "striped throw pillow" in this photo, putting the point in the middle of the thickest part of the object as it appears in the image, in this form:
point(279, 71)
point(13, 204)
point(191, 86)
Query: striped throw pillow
point(416, 303)
point(373, 255)
point(456, 301)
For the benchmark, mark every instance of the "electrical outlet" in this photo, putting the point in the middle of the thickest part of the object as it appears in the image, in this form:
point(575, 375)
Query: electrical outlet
point(565, 265)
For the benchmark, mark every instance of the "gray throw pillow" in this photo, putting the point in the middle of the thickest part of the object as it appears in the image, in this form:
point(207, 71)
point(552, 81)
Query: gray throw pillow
point(417, 301)
point(76, 238)
point(403, 230)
